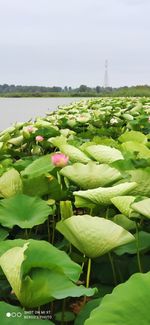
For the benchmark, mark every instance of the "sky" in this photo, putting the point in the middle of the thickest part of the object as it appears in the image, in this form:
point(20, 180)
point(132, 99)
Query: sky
point(66, 42)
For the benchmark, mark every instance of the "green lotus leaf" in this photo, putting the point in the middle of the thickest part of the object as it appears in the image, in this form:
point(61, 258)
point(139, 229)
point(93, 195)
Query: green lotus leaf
point(93, 236)
point(124, 222)
point(142, 178)
point(142, 207)
point(131, 248)
point(23, 211)
point(91, 175)
point(123, 204)
point(101, 195)
point(133, 146)
point(14, 315)
point(5, 137)
point(86, 310)
point(104, 154)
point(128, 304)
point(38, 273)
point(1, 145)
point(7, 244)
point(38, 167)
point(16, 141)
point(83, 118)
point(3, 233)
point(36, 186)
point(128, 117)
point(74, 154)
point(130, 135)
point(10, 183)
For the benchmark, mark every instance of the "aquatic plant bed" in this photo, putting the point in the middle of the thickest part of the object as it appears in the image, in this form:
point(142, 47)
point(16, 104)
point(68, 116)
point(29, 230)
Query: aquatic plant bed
point(75, 216)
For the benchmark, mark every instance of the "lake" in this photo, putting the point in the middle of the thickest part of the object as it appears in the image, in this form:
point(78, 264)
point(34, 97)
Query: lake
point(23, 109)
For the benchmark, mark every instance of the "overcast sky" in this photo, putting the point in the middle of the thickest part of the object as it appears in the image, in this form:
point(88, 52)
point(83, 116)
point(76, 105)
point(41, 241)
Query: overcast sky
point(66, 42)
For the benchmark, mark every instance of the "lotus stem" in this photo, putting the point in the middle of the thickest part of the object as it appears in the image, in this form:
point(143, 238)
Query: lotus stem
point(48, 230)
point(63, 312)
point(82, 266)
point(26, 233)
point(88, 273)
point(53, 230)
point(87, 278)
point(138, 252)
point(113, 268)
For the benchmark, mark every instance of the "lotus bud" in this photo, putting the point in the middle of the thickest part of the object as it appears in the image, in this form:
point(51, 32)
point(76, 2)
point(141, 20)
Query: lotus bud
point(59, 160)
point(39, 138)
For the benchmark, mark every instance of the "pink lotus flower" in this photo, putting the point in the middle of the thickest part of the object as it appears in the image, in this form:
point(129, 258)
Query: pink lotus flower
point(59, 160)
point(39, 138)
point(30, 128)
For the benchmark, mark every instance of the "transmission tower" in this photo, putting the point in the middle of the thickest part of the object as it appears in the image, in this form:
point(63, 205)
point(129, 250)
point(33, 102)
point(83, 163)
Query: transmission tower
point(106, 74)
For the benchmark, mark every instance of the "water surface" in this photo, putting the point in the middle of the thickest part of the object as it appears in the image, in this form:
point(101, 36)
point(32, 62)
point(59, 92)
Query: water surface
point(23, 109)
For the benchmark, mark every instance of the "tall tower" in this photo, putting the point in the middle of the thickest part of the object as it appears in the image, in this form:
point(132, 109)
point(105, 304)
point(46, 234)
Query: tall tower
point(106, 74)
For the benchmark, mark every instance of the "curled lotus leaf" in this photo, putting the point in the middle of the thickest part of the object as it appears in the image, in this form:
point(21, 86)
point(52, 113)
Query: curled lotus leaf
point(101, 195)
point(104, 154)
point(93, 236)
point(39, 273)
point(123, 204)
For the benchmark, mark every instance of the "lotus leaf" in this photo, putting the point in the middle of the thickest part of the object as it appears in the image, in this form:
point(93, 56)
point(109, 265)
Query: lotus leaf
point(130, 135)
point(38, 273)
point(101, 196)
point(93, 236)
point(123, 204)
point(124, 222)
point(91, 175)
point(24, 211)
point(142, 178)
point(136, 147)
point(127, 305)
point(131, 248)
point(10, 183)
point(142, 207)
point(104, 154)
point(38, 167)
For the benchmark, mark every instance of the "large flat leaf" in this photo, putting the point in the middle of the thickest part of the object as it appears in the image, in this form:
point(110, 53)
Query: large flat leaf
point(91, 175)
point(142, 207)
point(142, 178)
point(131, 248)
point(130, 135)
point(86, 310)
point(123, 221)
point(3, 233)
point(10, 183)
point(136, 147)
point(23, 211)
point(38, 167)
point(127, 305)
point(38, 273)
point(104, 154)
point(93, 236)
point(123, 204)
point(74, 154)
point(102, 196)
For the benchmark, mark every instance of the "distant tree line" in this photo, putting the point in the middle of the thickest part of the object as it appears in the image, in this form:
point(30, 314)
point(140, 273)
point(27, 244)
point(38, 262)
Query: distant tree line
point(83, 90)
